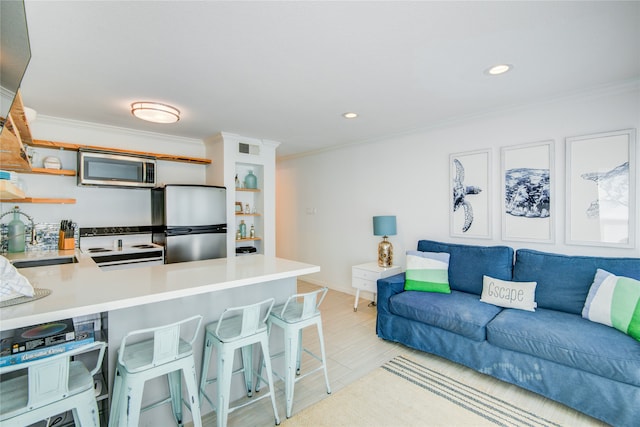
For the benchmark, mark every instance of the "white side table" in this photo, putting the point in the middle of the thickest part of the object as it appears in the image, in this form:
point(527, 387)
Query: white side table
point(364, 277)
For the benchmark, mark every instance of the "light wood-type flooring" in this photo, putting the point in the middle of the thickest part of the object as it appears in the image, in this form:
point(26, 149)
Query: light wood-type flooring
point(352, 348)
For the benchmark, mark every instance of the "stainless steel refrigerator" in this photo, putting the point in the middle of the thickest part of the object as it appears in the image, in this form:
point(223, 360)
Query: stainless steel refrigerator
point(190, 221)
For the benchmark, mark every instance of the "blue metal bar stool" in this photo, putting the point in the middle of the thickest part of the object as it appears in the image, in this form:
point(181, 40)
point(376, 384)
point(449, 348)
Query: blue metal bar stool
point(165, 353)
point(237, 328)
point(299, 312)
point(51, 386)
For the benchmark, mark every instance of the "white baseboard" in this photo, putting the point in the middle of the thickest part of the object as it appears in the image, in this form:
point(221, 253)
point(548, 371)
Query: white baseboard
point(344, 289)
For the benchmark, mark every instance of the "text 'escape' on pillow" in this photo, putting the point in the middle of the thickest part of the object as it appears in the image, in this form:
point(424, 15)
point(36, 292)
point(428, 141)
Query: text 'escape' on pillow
point(503, 293)
point(614, 301)
point(427, 272)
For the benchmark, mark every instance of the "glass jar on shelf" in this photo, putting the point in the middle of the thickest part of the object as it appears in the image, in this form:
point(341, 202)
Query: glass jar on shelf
point(250, 181)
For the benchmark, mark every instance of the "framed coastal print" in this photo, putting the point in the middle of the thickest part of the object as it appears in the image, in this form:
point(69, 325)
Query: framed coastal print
point(470, 181)
point(601, 189)
point(527, 195)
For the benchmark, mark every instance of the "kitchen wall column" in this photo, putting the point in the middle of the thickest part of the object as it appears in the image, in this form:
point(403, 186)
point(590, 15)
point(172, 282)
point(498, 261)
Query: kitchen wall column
point(235, 155)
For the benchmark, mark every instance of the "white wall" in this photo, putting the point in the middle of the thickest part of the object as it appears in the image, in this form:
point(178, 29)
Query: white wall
point(102, 206)
point(325, 201)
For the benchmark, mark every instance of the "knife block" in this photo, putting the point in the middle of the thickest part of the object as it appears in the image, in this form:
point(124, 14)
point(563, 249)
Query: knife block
point(65, 243)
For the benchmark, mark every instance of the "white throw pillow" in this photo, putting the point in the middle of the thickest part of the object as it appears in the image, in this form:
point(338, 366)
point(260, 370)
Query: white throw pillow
point(12, 284)
point(503, 293)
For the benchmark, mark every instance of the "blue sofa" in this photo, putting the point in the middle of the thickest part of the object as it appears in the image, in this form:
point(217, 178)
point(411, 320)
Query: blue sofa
point(552, 351)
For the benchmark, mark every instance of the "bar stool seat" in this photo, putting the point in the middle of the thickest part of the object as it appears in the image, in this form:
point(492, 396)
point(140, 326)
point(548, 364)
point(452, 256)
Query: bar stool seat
point(51, 386)
point(166, 353)
point(299, 312)
point(237, 328)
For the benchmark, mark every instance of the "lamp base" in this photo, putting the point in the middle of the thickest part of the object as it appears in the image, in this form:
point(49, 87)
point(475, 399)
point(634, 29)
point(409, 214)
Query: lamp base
point(385, 253)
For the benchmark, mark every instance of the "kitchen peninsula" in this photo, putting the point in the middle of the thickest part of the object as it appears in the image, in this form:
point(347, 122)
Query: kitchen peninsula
point(82, 288)
point(153, 295)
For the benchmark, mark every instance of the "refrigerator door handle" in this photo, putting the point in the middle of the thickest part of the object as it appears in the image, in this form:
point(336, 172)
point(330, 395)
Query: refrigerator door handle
point(176, 231)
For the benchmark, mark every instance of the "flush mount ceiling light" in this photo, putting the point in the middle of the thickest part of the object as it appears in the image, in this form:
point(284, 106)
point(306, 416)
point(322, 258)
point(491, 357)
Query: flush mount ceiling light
point(499, 69)
point(350, 115)
point(155, 112)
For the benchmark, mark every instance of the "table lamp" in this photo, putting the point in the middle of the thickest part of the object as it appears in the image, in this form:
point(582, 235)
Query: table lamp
point(384, 226)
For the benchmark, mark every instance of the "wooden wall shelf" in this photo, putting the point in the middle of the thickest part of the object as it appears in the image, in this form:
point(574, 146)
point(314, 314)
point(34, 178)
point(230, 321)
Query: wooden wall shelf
point(64, 172)
point(75, 147)
point(15, 132)
point(9, 190)
point(41, 200)
point(20, 119)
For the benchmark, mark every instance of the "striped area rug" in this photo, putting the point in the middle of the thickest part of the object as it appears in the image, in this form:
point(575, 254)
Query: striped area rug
point(492, 409)
point(422, 391)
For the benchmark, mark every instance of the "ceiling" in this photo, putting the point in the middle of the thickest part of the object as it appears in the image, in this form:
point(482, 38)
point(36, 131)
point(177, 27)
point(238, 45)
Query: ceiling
point(286, 71)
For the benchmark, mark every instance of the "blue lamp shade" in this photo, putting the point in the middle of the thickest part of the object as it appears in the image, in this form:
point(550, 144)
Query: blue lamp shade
point(384, 225)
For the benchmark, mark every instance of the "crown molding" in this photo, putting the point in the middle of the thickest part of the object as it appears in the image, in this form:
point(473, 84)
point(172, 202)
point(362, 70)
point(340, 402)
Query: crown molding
point(115, 129)
point(595, 92)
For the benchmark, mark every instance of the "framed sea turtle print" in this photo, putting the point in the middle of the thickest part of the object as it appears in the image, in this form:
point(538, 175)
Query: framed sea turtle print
point(527, 192)
point(470, 204)
point(601, 189)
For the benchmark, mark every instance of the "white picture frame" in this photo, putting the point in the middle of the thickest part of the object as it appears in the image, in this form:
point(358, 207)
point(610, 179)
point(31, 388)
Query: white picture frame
point(601, 189)
point(528, 192)
point(470, 194)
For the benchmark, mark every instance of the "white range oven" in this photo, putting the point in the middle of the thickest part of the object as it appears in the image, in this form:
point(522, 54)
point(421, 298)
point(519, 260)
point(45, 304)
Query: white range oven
point(119, 248)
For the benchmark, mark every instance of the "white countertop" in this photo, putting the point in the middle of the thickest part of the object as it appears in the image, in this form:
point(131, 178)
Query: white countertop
point(83, 288)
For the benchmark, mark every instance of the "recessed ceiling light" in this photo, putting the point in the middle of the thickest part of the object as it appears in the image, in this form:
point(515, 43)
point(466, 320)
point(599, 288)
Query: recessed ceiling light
point(499, 69)
point(155, 112)
point(350, 115)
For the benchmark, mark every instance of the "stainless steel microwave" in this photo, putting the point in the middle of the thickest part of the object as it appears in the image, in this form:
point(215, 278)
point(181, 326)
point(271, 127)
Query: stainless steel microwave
point(98, 168)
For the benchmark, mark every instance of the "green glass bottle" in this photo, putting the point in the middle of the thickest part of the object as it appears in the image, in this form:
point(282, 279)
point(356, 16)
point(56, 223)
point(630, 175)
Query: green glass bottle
point(15, 233)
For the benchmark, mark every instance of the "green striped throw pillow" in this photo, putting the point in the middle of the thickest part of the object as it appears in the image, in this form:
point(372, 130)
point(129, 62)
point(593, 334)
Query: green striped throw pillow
point(614, 301)
point(427, 272)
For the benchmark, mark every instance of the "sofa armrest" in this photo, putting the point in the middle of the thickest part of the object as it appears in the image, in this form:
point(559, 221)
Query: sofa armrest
point(387, 288)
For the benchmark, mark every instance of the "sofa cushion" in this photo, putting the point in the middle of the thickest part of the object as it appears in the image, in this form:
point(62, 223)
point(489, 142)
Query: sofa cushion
point(504, 293)
point(614, 301)
point(458, 312)
point(564, 281)
point(468, 263)
point(570, 340)
point(427, 272)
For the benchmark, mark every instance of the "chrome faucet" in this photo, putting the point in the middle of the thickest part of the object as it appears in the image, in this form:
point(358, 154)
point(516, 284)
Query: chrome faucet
point(33, 224)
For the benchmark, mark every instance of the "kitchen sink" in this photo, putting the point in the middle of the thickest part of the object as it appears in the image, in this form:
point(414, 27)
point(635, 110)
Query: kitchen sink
point(42, 262)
